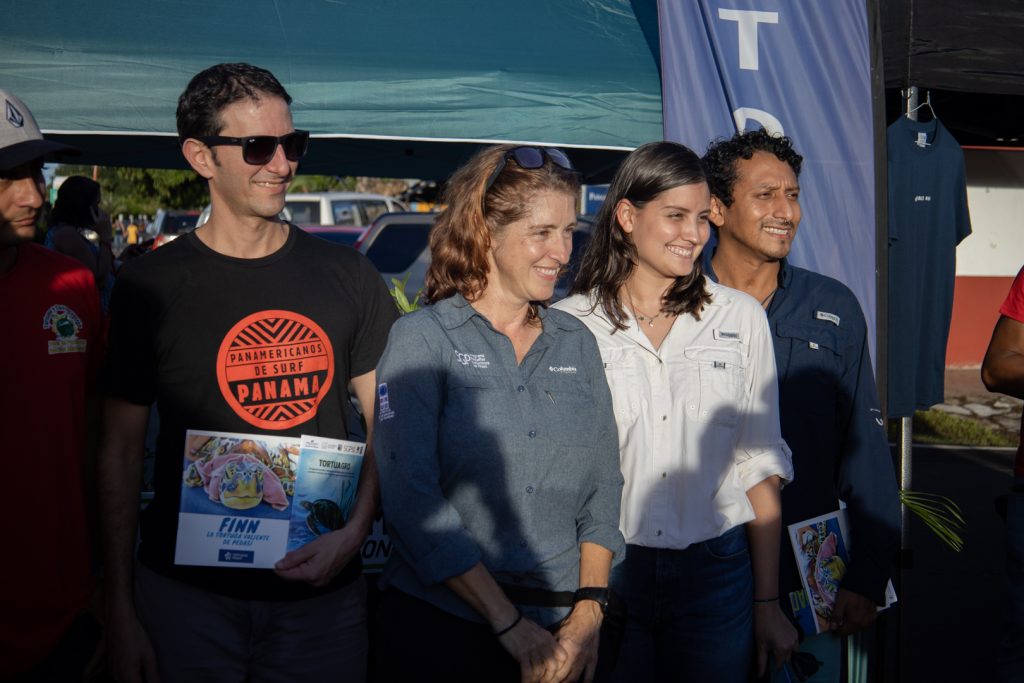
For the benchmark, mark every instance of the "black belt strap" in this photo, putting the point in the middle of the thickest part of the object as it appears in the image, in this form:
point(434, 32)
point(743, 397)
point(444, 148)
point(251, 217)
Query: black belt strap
point(537, 597)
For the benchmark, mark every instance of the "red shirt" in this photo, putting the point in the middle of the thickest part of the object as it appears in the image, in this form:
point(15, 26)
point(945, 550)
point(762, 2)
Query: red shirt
point(51, 334)
point(1013, 308)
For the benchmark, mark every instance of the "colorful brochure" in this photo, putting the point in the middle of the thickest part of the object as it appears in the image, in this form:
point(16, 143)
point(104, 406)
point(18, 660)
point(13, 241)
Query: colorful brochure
point(325, 489)
point(248, 499)
point(822, 551)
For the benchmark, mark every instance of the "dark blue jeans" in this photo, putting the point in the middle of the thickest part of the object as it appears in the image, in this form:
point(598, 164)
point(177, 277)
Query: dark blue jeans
point(690, 612)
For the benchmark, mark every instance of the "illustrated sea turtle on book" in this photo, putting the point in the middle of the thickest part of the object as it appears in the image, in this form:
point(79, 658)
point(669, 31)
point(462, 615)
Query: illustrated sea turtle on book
point(240, 473)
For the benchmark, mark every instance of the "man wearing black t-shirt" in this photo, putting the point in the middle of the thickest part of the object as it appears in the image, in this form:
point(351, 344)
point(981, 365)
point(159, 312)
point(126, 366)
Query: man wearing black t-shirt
point(250, 326)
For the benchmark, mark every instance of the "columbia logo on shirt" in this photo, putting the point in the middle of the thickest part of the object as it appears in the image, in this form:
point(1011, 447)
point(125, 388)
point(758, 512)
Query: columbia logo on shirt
point(828, 317)
point(562, 370)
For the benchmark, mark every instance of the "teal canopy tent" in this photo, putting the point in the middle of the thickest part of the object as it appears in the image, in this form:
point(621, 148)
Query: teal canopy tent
point(398, 88)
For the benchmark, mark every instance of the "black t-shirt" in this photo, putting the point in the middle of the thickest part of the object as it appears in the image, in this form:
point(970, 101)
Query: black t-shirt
point(241, 345)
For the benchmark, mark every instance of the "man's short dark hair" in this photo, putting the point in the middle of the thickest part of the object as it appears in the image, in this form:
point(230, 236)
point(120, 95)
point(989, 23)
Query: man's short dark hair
point(721, 159)
point(214, 88)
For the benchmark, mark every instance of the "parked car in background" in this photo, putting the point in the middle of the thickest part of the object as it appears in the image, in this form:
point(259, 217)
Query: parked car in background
point(204, 215)
point(169, 225)
point(396, 244)
point(341, 234)
point(339, 208)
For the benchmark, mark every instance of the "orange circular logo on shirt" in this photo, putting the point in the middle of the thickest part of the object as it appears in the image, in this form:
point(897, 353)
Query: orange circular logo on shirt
point(274, 368)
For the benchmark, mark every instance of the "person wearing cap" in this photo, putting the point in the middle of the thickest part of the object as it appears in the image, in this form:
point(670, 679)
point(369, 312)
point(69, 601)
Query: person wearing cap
point(51, 347)
point(251, 326)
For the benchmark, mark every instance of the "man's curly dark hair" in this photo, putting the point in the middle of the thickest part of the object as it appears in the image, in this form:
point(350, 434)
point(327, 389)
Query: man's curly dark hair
point(720, 161)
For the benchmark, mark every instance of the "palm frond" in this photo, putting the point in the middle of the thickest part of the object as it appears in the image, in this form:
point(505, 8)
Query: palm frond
point(939, 513)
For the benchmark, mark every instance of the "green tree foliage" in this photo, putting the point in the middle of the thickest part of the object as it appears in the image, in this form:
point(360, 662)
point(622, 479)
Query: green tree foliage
point(144, 190)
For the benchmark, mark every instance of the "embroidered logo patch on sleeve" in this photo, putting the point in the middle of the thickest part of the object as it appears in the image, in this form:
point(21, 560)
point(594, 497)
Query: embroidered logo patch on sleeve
point(274, 367)
point(384, 411)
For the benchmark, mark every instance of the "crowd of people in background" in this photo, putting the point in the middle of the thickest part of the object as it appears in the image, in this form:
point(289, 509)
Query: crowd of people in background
point(129, 231)
point(593, 490)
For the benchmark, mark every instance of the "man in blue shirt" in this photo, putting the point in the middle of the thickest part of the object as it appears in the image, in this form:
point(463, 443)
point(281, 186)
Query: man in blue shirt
point(828, 402)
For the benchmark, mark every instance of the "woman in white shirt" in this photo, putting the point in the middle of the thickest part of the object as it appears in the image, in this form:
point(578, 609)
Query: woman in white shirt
point(692, 375)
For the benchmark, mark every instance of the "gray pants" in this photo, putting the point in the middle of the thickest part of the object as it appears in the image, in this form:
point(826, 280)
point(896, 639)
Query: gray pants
point(201, 636)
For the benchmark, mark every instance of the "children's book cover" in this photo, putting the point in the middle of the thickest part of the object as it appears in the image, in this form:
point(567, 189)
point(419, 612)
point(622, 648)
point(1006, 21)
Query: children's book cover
point(822, 549)
point(241, 495)
point(821, 557)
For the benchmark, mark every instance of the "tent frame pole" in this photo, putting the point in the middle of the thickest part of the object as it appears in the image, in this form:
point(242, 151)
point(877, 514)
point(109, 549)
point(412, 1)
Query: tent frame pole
point(907, 423)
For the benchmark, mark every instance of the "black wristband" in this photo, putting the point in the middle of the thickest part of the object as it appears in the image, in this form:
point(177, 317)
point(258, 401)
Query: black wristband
point(515, 622)
point(600, 595)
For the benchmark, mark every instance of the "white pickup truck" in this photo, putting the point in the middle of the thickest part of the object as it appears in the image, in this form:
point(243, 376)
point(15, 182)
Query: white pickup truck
point(340, 217)
point(339, 208)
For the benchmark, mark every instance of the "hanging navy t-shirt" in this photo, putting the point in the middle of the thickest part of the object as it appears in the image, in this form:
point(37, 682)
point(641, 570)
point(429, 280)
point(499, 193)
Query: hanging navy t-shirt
point(928, 217)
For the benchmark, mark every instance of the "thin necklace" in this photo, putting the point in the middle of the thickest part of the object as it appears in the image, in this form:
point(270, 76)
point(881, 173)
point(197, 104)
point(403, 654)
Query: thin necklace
point(640, 315)
point(768, 299)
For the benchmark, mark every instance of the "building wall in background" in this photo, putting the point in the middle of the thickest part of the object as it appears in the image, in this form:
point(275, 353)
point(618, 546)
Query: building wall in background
point(988, 260)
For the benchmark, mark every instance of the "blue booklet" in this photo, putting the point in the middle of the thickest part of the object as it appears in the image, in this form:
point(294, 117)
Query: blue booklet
point(325, 489)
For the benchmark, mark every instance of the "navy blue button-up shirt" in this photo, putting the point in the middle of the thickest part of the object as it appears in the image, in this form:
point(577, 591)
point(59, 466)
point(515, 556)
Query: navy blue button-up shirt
point(831, 420)
point(483, 459)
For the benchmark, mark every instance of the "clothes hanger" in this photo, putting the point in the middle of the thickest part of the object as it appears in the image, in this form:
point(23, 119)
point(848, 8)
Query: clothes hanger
point(927, 103)
point(911, 95)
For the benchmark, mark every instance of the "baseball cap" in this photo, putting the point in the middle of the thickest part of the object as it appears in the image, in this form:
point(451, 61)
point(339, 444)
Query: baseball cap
point(20, 139)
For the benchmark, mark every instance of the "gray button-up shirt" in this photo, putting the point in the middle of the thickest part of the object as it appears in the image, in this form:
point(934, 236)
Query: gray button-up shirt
point(485, 460)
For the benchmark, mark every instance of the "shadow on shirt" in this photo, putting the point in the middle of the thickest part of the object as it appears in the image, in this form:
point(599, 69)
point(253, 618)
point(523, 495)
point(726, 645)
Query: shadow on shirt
point(465, 481)
point(840, 452)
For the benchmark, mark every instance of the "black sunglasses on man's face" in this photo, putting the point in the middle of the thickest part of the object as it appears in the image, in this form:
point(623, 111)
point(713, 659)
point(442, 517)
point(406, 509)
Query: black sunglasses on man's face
point(260, 149)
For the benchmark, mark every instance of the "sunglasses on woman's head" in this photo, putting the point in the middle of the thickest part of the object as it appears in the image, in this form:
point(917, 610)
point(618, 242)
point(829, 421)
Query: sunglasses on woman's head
point(530, 158)
point(260, 149)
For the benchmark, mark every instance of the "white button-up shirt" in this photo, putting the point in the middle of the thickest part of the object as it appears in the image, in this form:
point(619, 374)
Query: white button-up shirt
point(698, 418)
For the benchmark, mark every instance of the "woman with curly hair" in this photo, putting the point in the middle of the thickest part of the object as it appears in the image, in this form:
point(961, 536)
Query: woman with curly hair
point(496, 444)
